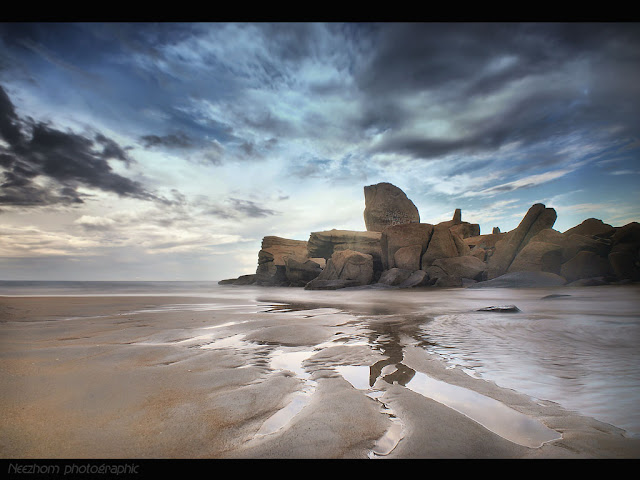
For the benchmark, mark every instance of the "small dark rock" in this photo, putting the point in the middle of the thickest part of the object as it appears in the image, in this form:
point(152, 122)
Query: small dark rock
point(554, 295)
point(500, 308)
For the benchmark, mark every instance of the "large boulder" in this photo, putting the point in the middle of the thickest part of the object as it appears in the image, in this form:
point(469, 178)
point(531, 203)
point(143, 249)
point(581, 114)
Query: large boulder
point(585, 264)
point(395, 276)
point(575, 243)
point(300, 271)
point(386, 204)
point(274, 251)
point(627, 235)
point(462, 267)
point(624, 265)
point(592, 227)
point(538, 257)
point(349, 267)
point(325, 244)
point(419, 278)
point(536, 219)
point(402, 246)
point(625, 252)
point(443, 244)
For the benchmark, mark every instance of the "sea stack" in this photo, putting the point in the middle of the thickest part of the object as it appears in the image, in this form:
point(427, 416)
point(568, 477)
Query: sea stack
point(386, 204)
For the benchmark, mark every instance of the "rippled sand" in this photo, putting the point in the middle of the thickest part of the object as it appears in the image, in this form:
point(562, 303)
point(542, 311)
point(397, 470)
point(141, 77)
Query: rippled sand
point(290, 375)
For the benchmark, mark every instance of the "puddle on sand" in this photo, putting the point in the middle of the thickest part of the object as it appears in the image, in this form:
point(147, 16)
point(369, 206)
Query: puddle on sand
point(289, 361)
point(360, 377)
point(491, 414)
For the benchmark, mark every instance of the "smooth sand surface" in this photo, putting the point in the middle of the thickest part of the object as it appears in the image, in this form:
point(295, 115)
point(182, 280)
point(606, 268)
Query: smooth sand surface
point(133, 377)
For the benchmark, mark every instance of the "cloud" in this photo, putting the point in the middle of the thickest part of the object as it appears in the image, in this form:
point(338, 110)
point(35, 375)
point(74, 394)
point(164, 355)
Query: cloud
point(174, 140)
point(95, 223)
point(521, 183)
point(239, 208)
point(439, 89)
point(49, 166)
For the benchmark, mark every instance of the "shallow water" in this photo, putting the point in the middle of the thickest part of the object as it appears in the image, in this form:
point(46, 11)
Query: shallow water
point(579, 350)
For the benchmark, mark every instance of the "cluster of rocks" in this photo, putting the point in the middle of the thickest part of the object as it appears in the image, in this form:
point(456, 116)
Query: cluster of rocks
point(397, 250)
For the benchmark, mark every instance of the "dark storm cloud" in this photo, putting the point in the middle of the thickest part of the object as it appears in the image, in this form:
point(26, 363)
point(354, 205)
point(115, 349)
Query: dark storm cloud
point(173, 140)
point(430, 56)
point(459, 64)
point(63, 160)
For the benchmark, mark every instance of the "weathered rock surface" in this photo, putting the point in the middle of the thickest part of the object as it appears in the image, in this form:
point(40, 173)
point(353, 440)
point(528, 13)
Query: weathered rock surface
point(443, 244)
point(245, 279)
point(483, 246)
point(462, 229)
point(299, 272)
point(585, 264)
point(592, 227)
point(522, 280)
point(324, 244)
point(462, 267)
point(275, 250)
point(410, 240)
point(537, 218)
point(538, 257)
point(575, 243)
point(628, 234)
point(439, 278)
point(486, 242)
point(386, 204)
point(395, 276)
point(419, 278)
point(408, 257)
point(351, 267)
point(624, 265)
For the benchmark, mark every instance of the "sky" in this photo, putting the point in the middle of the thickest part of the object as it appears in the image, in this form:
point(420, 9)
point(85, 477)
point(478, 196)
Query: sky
point(167, 151)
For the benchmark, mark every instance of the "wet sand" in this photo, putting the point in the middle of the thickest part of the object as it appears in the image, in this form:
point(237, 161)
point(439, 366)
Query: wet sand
point(159, 377)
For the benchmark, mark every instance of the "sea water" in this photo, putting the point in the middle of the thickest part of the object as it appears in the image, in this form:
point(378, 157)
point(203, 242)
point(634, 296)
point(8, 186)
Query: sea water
point(578, 347)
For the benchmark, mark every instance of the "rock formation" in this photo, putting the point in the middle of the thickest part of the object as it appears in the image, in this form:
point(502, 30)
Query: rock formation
point(299, 272)
point(324, 244)
point(345, 268)
point(463, 267)
point(537, 218)
point(443, 244)
point(386, 204)
point(275, 250)
point(585, 264)
point(592, 227)
point(538, 257)
point(397, 251)
point(402, 246)
point(462, 229)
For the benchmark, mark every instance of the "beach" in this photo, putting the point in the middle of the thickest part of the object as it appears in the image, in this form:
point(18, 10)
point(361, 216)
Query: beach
point(249, 372)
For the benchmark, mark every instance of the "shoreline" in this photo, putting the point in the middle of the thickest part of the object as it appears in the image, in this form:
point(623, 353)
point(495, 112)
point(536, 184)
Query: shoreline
point(125, 371)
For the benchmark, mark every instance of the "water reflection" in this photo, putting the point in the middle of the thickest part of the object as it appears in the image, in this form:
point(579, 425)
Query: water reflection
point(385, 338)
point(390, 338)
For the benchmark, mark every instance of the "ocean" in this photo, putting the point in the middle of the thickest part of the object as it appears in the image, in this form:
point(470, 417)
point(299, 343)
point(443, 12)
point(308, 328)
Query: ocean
point(577, 347)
